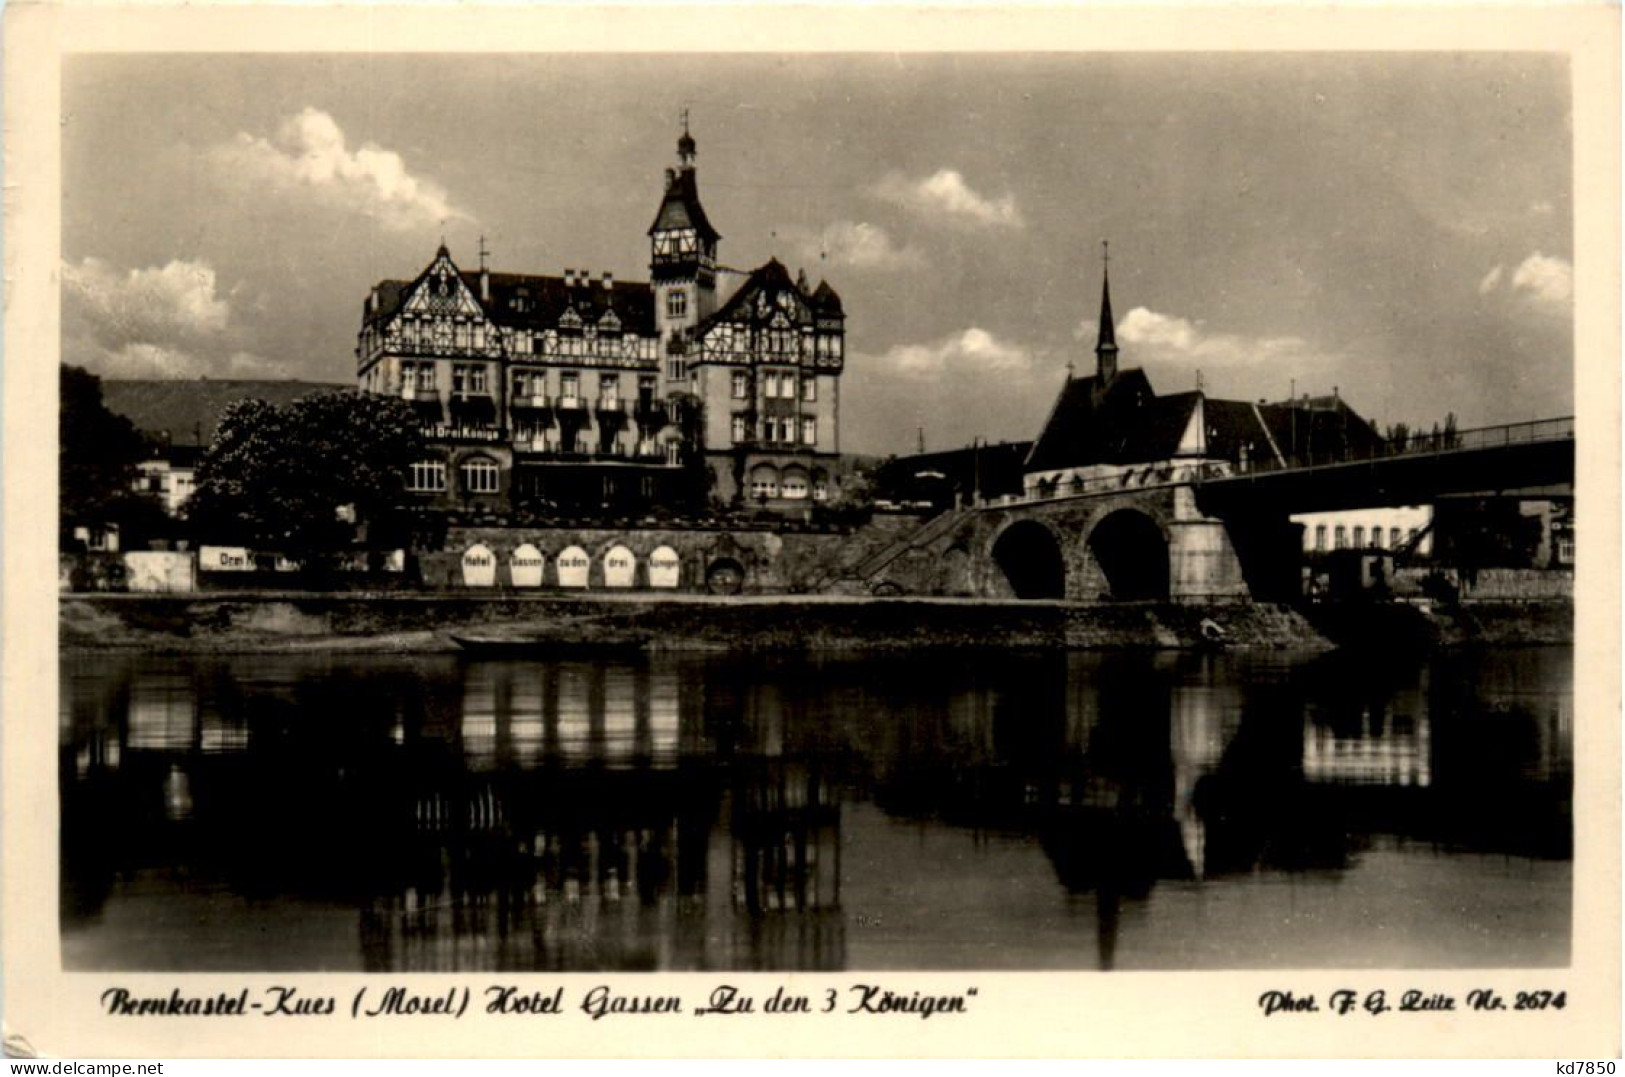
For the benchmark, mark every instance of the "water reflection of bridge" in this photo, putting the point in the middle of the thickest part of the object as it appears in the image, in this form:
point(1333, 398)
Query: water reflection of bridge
point(689, 814)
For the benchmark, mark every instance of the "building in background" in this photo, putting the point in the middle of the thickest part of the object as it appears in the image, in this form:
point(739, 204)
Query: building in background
point(1111, 430)
point(937, 481)
point(586, 394)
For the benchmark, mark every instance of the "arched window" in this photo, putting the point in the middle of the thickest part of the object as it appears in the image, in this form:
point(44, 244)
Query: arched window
point(479, 475)
point(795, 483)
point(764, 481)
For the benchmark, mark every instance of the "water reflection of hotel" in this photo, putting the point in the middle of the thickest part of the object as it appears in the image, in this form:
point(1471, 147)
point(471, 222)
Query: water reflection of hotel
point(582, 823)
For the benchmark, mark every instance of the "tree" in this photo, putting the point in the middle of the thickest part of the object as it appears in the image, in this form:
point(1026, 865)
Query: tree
point(687, 413)
point(97, 454)
point(279, 478)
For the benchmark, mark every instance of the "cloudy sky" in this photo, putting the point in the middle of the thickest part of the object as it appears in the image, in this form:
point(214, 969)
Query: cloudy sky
point(1397, 226)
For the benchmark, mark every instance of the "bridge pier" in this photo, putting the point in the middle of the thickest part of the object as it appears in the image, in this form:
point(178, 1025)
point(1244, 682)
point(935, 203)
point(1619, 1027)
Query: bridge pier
point(1202, 562)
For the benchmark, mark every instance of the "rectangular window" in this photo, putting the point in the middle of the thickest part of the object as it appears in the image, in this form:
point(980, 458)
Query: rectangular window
point(772, 390)
point(737, 381)
point(739, 428)
point(809, 430)
point(609, 388)
point(674, 367)
point(1359, 538)
point(476, 379)
point(459, 379)
point(426, 376)
point(427, 476)
point(1393, 538)
point(570, 384)
point(809, 389)
point(1320, 536)
point(676, 303)
point(1340, 537)
point(1376, 537)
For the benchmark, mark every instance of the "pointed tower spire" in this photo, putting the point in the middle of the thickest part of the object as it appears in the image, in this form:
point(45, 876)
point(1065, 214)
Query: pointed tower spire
point(685, 146)
point(1106, 343)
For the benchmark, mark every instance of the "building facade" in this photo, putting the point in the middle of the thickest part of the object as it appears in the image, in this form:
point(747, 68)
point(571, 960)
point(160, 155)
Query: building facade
point(584, 394)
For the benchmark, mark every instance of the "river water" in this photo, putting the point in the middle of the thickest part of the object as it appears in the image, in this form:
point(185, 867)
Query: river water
point(993, 810)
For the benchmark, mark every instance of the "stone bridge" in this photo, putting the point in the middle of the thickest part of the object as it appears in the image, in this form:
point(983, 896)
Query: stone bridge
point(1147, 543)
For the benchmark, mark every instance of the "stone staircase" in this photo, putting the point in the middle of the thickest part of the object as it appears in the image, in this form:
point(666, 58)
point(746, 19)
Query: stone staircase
point(858, 577)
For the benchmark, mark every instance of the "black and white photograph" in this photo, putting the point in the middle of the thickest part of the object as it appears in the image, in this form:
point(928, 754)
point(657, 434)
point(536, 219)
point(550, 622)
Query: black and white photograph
point(805, 519)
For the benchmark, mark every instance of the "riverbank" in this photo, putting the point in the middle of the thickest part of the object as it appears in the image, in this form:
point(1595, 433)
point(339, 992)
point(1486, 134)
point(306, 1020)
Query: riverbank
point(240, 623)
point(1430, 626)
point(248, 623)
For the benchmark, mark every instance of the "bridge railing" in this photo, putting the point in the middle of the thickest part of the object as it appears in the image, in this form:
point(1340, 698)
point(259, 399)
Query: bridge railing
point(1180, 473)
point(1440, 441)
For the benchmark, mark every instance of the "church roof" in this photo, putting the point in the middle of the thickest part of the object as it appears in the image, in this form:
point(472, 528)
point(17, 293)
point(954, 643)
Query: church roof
point(1112, 423)
point(1128, 423)
point(680, 207)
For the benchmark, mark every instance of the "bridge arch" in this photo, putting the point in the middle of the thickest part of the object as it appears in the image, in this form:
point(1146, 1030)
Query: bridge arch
point(1131, 551)
point(1029, 556)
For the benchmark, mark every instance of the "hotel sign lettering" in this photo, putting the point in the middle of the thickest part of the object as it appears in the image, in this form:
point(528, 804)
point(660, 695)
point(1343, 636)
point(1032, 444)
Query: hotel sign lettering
point(619, 567)
point(663, 567)
point(526, 566)
point(572, 565)
point(225, 559)
point(479, 566)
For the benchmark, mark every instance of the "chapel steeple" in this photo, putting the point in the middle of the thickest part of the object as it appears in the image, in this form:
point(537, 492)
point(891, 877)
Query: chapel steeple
point(1106, 342)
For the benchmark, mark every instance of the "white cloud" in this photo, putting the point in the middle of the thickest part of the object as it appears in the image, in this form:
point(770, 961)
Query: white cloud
point(158, 321)
point(175, 298)
point(310, 154)
point(1168, 337)
point(973, 350)
point(856, 244)
point(1546, 279)
point(1491, 281)
point(946, 194)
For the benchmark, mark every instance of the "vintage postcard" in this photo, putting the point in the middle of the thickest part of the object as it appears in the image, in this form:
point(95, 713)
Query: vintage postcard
point(811, 531)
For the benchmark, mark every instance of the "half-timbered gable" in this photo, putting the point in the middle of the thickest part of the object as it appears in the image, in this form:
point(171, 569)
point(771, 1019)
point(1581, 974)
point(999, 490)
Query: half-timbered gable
point(558, 390)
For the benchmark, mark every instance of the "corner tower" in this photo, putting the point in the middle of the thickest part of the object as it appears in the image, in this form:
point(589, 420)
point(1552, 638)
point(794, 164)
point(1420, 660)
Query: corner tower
point(682, 258)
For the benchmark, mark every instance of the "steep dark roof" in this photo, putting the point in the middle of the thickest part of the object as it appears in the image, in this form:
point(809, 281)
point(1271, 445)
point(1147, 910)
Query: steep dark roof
point(1234, 426)
point(545, 300)
point(188, 411)
point(632, 301)
point(1325, 427)
point(825, 300)
point(1091, 424)
point(680, 207)
point(769, 276)
point(1130, 424)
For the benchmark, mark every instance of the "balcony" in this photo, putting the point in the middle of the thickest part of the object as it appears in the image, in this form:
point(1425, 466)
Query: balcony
point(531, 401)
point(413, 394)
point(571, 402)
point(651, 412)
point(612, 405)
